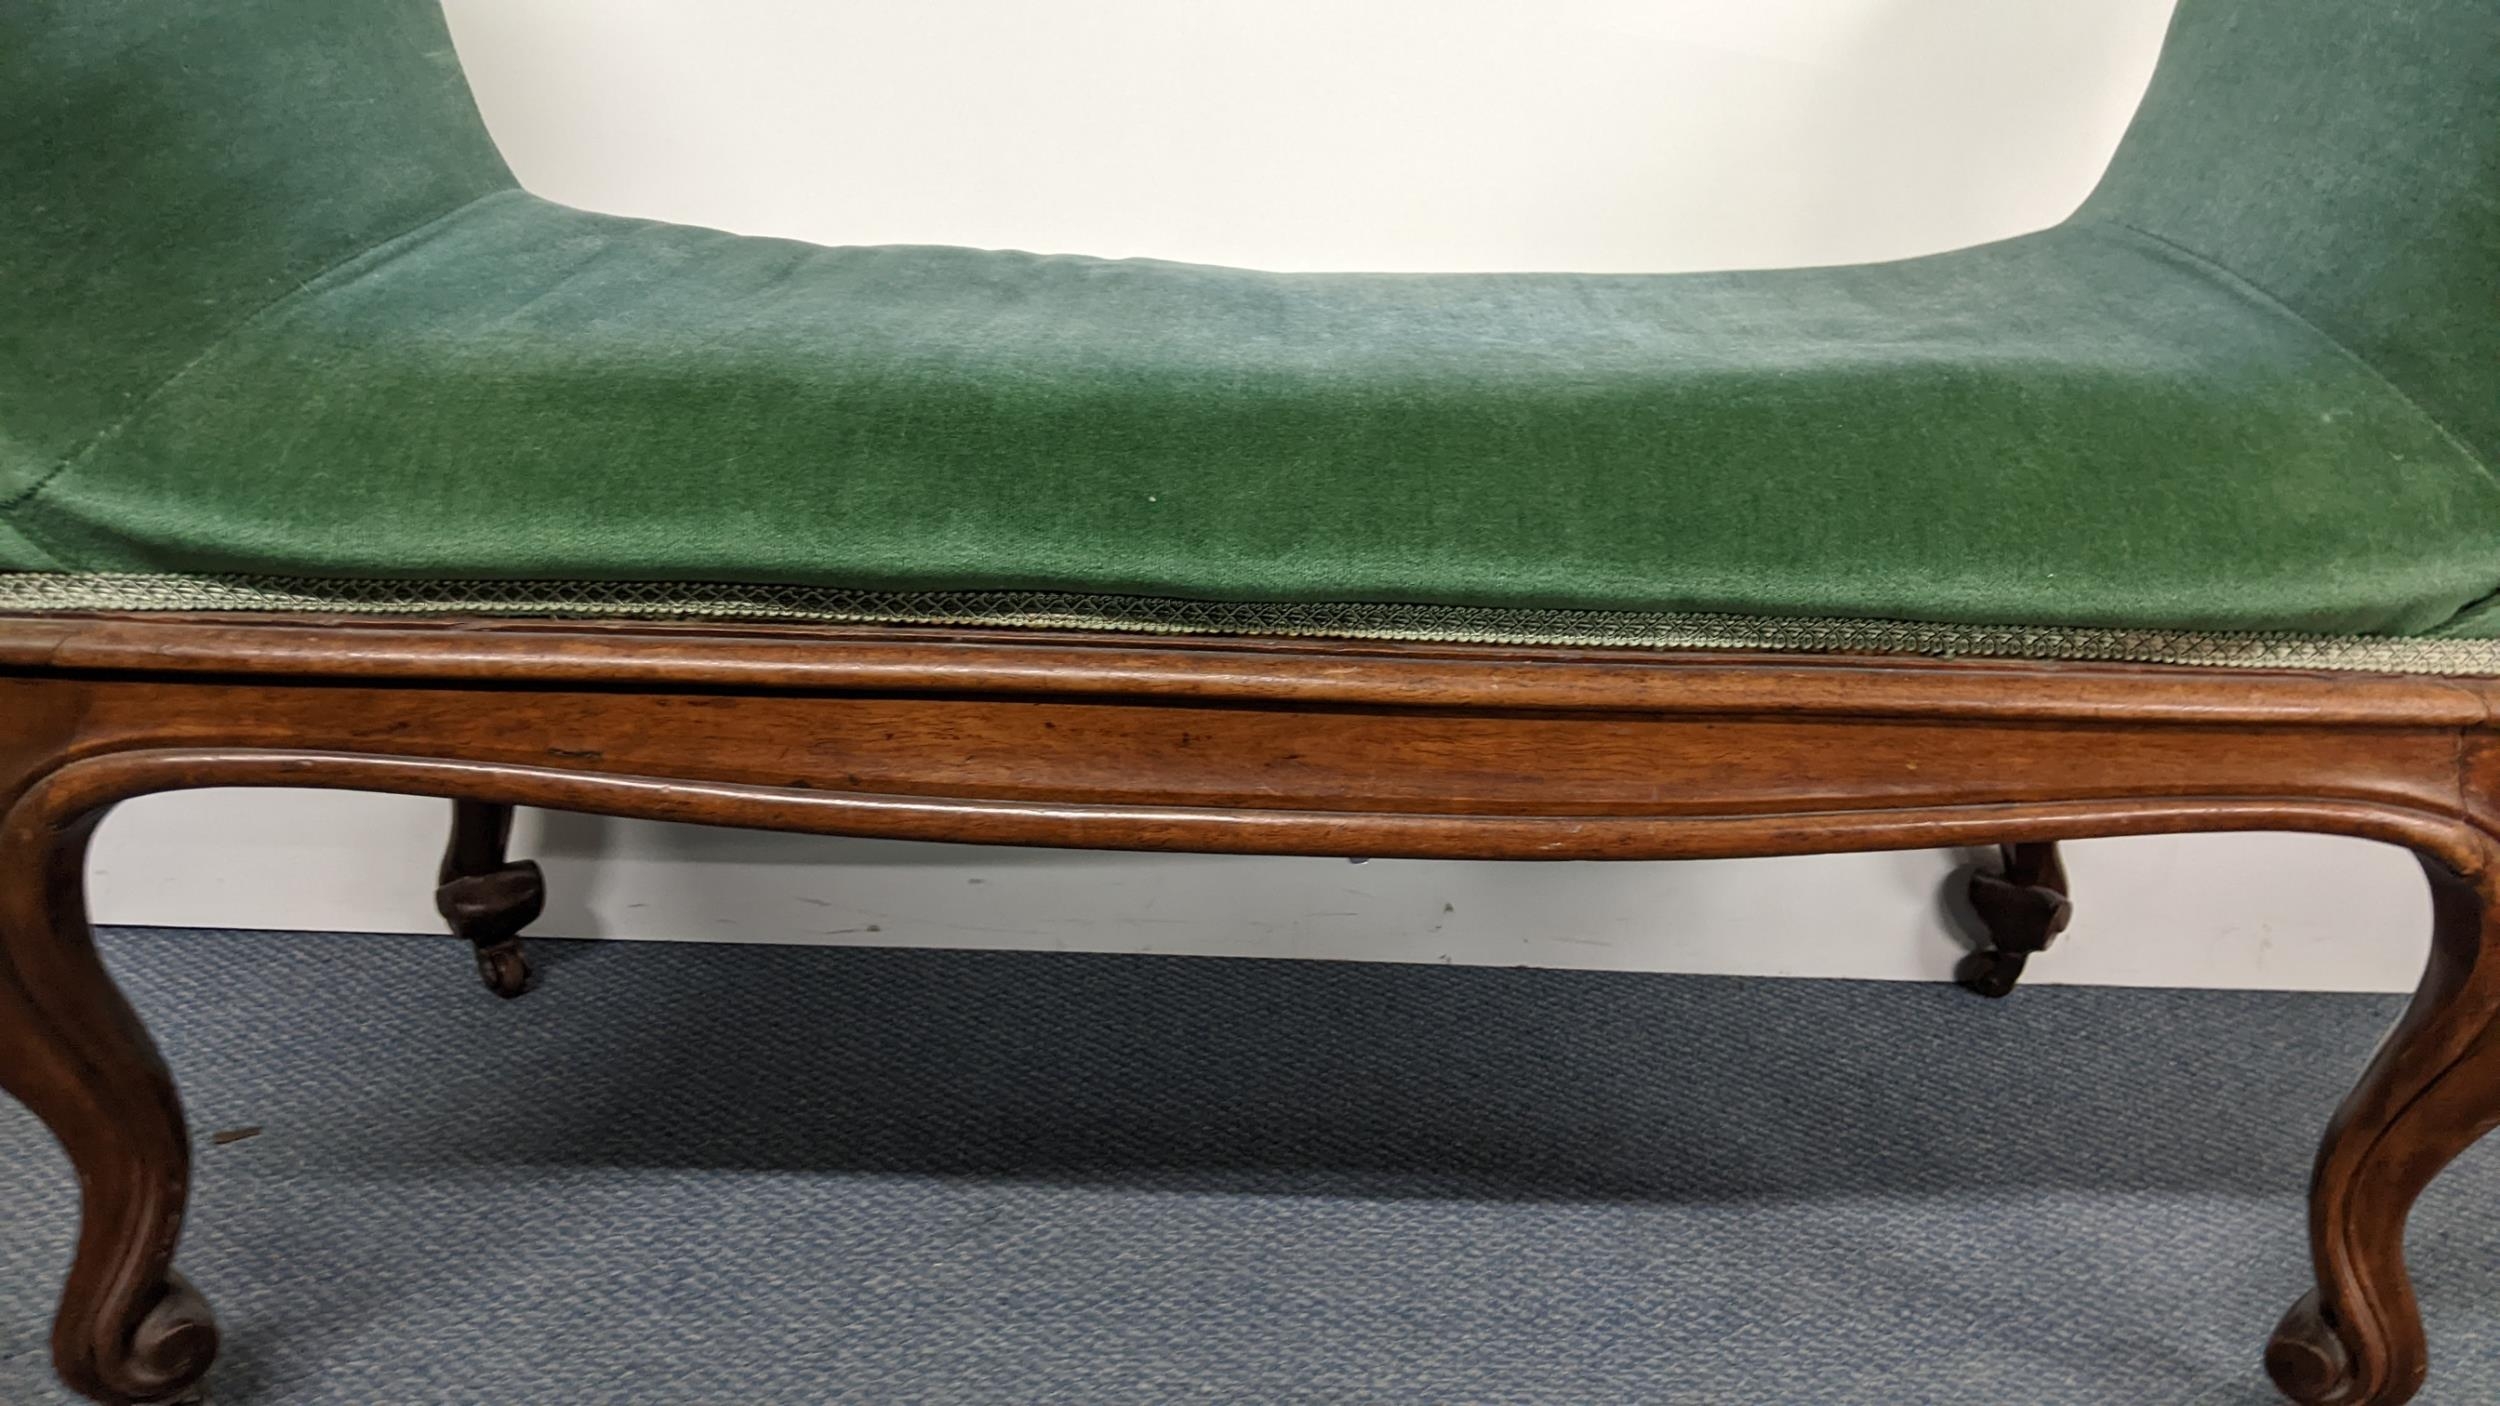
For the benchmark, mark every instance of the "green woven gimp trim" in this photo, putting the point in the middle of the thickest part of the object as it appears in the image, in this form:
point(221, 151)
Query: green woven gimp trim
point(50, 592)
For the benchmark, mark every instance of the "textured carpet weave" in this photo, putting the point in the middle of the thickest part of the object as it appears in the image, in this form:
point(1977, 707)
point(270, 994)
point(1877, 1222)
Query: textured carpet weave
point(701, 1174)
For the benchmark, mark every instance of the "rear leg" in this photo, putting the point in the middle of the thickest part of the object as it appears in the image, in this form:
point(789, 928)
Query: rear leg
point(2024, 907)
point(486, 897)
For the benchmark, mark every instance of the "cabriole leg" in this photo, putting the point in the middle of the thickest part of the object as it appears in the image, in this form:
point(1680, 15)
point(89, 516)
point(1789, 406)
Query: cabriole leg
point(2024, 907)
point(487, 898)
point(2431, 1092)
point(129, 1329)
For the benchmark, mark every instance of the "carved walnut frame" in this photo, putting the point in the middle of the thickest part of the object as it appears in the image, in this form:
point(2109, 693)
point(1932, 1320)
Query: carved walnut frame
point(1241, 745)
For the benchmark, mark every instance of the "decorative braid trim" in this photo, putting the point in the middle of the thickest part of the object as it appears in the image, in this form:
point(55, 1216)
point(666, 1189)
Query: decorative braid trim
point(41, 592)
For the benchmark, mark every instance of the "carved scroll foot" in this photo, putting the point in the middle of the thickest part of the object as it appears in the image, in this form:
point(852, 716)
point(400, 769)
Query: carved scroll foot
point(487, 898)
point(2024, 908)
point(2431, 1092)
point(129, 1330)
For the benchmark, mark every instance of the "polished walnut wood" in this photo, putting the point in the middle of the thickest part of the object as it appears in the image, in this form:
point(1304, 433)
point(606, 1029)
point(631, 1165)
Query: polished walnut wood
point(486, 897)
point(2022, 907)
point(1251, 746)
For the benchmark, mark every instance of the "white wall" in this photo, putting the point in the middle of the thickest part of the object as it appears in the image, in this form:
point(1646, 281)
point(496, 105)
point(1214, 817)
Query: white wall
point(1383, 134)
point(1631, 135)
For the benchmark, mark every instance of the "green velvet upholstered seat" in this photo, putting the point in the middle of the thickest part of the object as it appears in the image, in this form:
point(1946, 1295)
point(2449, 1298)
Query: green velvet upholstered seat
point(276, 327)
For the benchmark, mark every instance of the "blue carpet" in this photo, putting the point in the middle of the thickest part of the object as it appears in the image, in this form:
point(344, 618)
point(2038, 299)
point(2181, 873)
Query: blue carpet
point(703, 1174)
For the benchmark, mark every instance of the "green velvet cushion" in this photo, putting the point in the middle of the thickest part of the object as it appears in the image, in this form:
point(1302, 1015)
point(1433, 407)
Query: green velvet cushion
point(263, 354)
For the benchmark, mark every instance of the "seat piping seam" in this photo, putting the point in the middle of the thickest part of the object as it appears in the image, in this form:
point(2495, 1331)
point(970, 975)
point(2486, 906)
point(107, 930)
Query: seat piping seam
point(2241, 281)
point(219, 343)
point(2226, 274)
